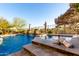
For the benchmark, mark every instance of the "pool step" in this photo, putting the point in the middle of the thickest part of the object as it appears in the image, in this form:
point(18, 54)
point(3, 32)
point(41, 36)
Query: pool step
point(20, 53)
point(37, 50)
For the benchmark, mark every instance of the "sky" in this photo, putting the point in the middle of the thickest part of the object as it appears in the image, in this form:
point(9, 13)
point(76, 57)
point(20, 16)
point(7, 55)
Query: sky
point(33, 13)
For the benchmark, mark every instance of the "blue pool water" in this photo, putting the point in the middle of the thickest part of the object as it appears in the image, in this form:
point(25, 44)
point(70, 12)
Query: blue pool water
point(14, 43)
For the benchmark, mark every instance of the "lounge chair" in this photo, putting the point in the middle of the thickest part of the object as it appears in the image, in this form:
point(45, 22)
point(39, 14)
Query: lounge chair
point(62, 41)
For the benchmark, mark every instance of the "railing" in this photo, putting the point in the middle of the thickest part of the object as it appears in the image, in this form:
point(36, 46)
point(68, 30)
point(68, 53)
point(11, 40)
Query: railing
point(67, 37)
point(53, 37)
point(63, 35)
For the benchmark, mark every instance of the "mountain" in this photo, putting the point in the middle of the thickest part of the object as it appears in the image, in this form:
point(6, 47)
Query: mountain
point(70, 16)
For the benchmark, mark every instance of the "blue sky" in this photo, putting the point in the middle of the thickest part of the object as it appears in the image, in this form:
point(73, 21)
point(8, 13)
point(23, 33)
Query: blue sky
point(34, 14)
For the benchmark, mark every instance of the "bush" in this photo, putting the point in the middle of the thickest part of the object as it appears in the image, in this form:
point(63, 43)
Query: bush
point(49, 31)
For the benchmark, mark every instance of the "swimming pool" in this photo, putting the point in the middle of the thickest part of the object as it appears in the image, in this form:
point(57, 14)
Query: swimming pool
point(14, 43)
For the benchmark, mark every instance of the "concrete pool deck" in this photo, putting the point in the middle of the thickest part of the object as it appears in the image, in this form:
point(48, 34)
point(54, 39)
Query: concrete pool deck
point(74, 51)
